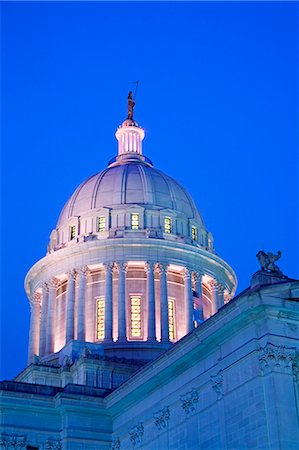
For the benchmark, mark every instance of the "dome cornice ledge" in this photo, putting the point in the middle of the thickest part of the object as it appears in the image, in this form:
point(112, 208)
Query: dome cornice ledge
point(130, 249)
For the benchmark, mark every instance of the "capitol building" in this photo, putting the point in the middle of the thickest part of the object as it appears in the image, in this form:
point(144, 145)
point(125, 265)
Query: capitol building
point(137, 340)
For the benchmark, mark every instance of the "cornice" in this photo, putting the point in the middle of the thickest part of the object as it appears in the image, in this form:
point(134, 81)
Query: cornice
point(178, 253)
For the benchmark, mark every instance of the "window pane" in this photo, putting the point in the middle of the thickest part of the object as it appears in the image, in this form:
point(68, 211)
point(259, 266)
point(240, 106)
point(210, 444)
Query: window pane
point(100, 318)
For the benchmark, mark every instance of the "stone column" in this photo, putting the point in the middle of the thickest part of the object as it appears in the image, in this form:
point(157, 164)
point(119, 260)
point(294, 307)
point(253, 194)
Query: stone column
point(122, 322)
point(197, 276)
point(83, 272)
point(151, 303)
point(44, 315)
point(278, 366)
point(70, 306)
point(162, 269)
point(214, 291)
point(220, 295)
point(108, 302)
point(188, 299)
point(34, 334)
point(227, 297)
point(51, 317)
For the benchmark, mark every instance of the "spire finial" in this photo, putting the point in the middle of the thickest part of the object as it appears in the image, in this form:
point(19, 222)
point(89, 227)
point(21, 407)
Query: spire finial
point(131, 104)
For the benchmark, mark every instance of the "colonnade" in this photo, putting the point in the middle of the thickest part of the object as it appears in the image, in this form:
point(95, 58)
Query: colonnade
point(43, 305)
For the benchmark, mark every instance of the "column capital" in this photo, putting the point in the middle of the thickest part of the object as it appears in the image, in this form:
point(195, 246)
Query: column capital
point(35, 298)
point(162, 268)
point(213, 284)
point(186, 272)
point(121, 266)
point(227, 297)
point(197, 275)
point(72, 274)
point(150, 266)
point(220, 288)
point(83, 271)
point(108, 266)
point(45, 287)
point(53, 283)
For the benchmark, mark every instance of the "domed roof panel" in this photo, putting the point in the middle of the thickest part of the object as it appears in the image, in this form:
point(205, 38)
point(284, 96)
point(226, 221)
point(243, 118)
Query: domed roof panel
point(129, 183)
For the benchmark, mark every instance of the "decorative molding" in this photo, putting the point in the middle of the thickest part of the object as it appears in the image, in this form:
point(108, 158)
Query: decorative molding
point(136, 433)
point(53, 444)
point(161, 418)
point(53, 283)
point(213, 284)
point(150, 267)
point(220, 288)
point(122, 267)
point(296, 366)
point(227, 297)
point(12, 441)
point(36, 298)
point(189, 401)
point(85, 352)
point(162, 268)
point(83, 271)
point(275, 358)
point(45, 288)
point(217, 384)
point(197, 276)
point(186, 273)
point(109, 266)
point(115, 444)
point(72, 274)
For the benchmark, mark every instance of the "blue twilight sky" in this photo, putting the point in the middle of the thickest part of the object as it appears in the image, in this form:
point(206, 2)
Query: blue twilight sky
point(218, 100)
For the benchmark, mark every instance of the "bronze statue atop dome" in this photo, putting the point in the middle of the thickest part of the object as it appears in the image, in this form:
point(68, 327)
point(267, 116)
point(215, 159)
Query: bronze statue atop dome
point(131, 104)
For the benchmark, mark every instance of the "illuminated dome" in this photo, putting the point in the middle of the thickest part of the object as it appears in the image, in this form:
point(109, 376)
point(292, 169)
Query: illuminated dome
point(130, 267)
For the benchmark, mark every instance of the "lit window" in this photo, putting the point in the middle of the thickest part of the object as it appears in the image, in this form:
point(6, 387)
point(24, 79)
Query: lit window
point(167, 225)
point(134, 221)
point(135, 316)
point(194, 233)
point(171, 325)
point(100, 318)
point(73, 232)
point(101, 224)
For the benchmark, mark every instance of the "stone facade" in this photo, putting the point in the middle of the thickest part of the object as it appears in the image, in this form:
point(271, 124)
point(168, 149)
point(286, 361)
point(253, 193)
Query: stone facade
point(231, 383)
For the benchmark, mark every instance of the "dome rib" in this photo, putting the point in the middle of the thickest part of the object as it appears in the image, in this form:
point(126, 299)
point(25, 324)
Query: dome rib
point(129, 183)
point(96, 187)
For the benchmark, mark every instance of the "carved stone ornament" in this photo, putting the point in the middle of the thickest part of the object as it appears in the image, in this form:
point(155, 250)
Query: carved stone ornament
point(8, 441)
point(72, 275)
point(275, 358)
point(85, 352)
point(217, 384)
point(109, 266)
point(115, 444)
point(296, 367)
point(122, 267)
point(162, 268)
point(189, 401)
point(267, 260)
point(54, 283)
point(227, 297)
point(186, 273)
point(161, 418)
point(150, 266)
point(213, 284)
point(136, 434)
point(83, 271)
point(197, 276)
point(53, 444)
point(36, 297)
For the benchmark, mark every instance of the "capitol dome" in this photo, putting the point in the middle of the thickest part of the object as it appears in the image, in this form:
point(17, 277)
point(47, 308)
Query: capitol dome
point(130, 267)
